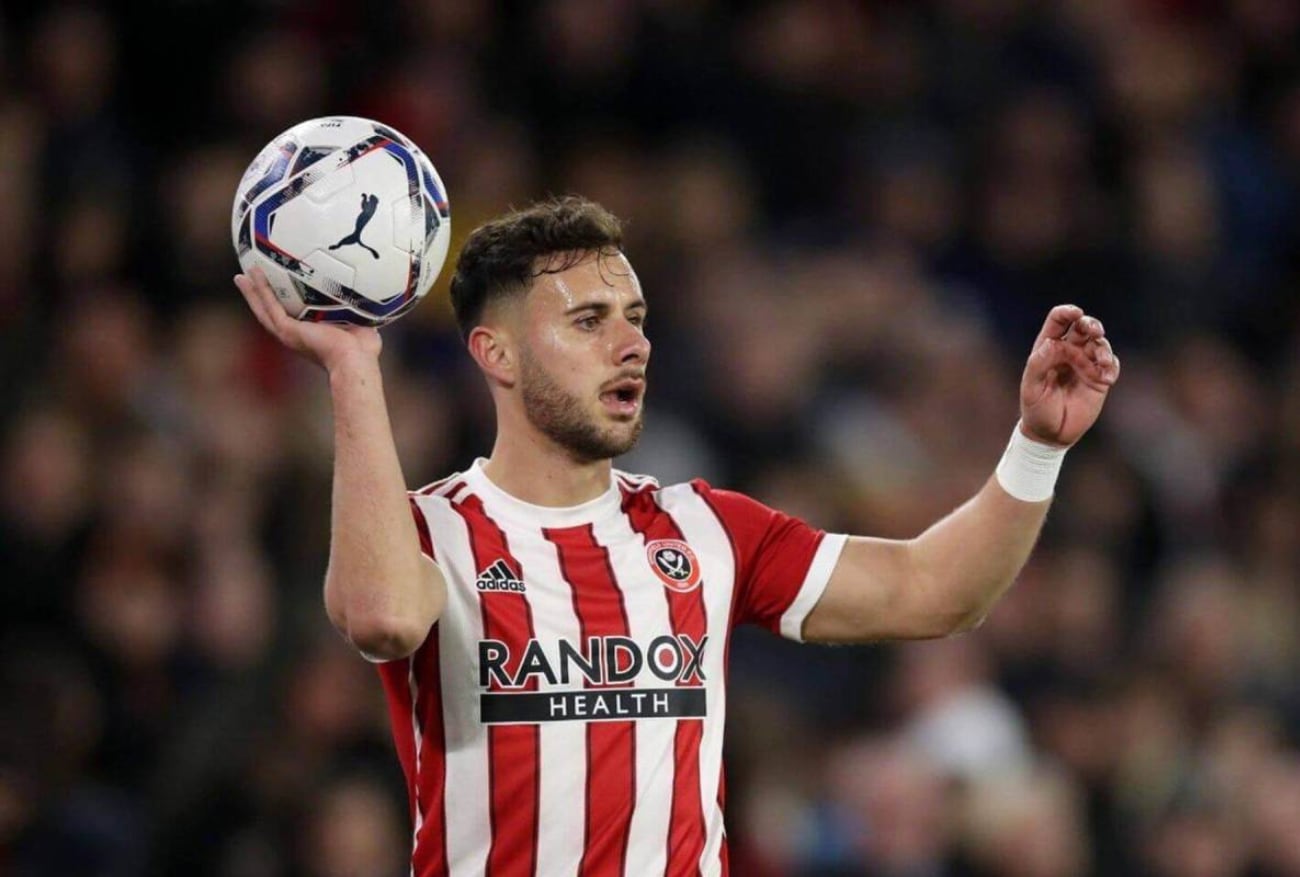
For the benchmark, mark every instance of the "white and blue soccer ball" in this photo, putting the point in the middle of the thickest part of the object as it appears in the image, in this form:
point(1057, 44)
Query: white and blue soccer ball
point(347, 217)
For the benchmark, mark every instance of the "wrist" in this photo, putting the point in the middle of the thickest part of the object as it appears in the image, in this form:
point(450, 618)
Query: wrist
point(350, 365)
point(1029, 468)
point(1024, 430)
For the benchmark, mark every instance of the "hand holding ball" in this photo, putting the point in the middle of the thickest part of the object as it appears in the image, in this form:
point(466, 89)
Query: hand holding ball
point(348, 219)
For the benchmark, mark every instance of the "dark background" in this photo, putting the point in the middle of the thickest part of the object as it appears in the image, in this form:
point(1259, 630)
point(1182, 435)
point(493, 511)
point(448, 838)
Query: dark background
point(850, 219)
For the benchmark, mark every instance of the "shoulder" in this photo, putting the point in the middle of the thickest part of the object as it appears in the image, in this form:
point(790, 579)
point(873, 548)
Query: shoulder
point(721, 499)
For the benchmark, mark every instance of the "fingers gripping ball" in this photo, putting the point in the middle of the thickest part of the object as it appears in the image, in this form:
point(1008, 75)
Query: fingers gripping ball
point(347, 217)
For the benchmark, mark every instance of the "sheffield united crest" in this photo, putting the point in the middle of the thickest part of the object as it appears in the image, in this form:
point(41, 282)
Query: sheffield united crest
point(675, 564)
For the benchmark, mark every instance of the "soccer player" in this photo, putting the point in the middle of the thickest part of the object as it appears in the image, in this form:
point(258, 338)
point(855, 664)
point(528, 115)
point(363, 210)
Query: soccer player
point(551, 632)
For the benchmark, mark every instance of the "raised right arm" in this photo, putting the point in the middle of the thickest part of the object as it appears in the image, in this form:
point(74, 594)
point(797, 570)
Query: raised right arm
point(380, 591)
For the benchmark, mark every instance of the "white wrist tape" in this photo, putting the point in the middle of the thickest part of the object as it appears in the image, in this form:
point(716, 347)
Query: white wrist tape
point(1028, 468)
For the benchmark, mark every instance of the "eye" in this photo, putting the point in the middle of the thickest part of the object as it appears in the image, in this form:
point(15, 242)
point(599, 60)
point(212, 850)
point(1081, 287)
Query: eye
point(589, 322)
point(637, 320)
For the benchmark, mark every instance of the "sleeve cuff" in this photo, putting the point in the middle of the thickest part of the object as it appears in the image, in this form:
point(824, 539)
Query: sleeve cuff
point(819, 574)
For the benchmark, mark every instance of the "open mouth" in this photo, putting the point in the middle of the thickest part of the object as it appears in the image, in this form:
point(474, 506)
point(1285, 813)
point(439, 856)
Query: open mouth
point(624, 397)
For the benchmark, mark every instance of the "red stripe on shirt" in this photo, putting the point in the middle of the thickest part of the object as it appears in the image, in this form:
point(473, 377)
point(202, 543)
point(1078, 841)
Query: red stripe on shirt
point(395, 676)
point(686, 612)
point(422, 528)
point(425, 766)
point(726, 648)
point(513, 750)
point(430, 855)
point(611, 746)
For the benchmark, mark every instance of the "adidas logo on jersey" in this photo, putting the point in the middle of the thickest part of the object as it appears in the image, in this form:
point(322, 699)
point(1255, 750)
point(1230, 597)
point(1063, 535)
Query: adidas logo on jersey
point(498, 577)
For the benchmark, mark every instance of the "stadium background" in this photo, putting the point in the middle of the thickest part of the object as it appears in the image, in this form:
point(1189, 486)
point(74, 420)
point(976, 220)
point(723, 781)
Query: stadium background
point(850, 218)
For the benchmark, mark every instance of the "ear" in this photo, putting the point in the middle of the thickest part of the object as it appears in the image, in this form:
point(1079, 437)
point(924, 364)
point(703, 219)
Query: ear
point(493, 350)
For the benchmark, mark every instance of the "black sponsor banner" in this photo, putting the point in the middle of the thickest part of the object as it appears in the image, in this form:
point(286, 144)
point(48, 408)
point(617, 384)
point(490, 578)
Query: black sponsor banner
point(620, 704)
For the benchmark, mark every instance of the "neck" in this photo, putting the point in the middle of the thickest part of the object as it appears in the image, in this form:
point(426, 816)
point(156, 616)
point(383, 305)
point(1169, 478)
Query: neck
point(530, 467)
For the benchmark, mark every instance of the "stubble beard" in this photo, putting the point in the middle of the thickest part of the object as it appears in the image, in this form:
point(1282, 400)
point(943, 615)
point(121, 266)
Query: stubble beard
point(562, 418)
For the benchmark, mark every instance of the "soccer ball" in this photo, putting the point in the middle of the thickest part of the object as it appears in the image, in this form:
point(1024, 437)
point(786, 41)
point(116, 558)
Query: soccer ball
point(348, 219)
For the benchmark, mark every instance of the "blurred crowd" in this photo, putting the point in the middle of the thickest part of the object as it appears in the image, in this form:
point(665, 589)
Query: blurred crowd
point(850, 218)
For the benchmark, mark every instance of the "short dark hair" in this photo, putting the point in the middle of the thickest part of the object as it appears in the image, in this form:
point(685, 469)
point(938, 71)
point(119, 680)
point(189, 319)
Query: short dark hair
point(504, 255)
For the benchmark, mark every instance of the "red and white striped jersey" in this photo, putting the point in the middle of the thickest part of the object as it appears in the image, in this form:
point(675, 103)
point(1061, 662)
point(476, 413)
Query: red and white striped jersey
point(565, 715)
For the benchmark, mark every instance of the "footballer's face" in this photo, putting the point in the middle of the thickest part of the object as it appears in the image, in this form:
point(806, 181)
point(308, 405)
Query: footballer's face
point(583, 355)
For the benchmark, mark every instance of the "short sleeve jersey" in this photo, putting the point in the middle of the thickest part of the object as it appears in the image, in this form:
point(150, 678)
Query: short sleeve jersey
point(565, 714)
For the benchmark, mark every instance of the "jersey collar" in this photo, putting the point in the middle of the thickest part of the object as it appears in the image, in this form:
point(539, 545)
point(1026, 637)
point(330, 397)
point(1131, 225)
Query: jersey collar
point(500, 502)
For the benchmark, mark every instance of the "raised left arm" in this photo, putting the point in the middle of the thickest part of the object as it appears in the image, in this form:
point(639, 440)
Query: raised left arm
point(946, 580)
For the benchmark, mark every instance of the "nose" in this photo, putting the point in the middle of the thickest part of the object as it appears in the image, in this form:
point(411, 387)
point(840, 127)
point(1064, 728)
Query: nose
point(631, 345)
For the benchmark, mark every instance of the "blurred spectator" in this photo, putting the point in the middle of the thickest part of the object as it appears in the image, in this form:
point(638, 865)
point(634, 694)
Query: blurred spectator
point(355, 829)
point(965, 727)
point(1026, 825)
point(849, 219)
point(893, 806)
point(45, 505)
